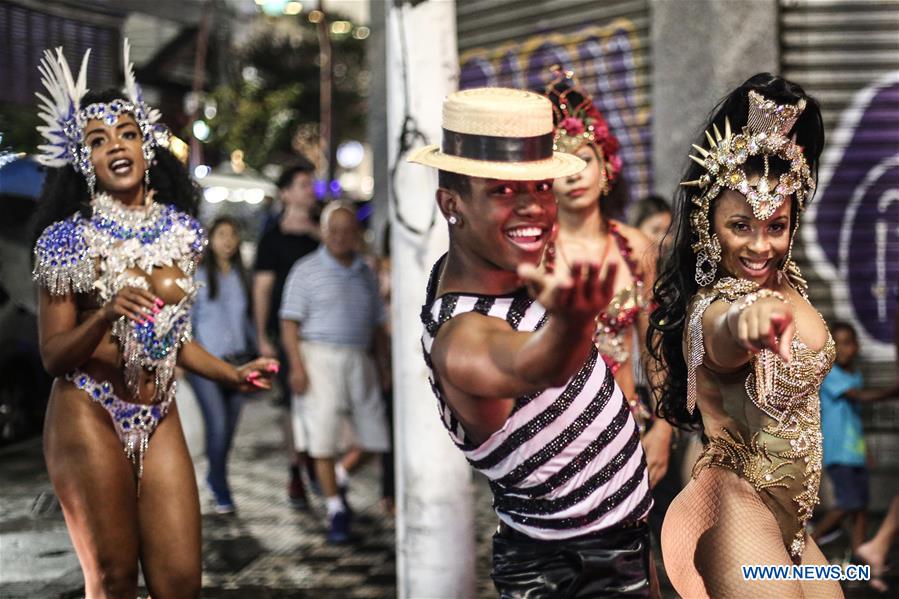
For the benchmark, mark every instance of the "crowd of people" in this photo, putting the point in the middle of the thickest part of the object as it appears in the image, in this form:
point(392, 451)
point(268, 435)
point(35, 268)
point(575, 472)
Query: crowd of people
point(661, 383)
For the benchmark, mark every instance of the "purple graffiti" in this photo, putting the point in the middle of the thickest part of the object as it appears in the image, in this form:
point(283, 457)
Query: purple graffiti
point(607, 61)
point(856, 213)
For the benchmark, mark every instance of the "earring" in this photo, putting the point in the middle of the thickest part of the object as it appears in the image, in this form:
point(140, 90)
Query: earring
point(706, 269)
point(84, 166)
point(791, 271)
point(707, 263)
point(603, 173)
point(453, 219)
point(147, 178)
point(91, 178)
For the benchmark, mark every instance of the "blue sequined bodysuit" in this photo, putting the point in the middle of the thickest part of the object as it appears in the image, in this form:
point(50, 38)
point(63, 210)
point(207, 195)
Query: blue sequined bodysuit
point(114, 248)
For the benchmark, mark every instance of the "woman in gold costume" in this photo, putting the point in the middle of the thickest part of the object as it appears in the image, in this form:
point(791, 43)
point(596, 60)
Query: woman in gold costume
point(743, 350)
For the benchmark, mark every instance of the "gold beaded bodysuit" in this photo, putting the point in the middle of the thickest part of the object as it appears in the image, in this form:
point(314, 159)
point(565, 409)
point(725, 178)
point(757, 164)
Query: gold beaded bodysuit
point(763, 422)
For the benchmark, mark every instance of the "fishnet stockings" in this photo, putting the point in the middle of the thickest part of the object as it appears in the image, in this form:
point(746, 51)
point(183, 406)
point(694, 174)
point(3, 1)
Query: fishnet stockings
point(718, 523)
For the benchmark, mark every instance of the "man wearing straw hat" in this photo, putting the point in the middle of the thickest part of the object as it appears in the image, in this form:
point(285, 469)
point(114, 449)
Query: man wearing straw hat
point(520, 386)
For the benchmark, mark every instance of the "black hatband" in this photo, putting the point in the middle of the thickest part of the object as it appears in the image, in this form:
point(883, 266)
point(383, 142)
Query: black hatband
point(497, 149)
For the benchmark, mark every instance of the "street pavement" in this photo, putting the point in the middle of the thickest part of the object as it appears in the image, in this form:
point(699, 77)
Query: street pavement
point(267, 550)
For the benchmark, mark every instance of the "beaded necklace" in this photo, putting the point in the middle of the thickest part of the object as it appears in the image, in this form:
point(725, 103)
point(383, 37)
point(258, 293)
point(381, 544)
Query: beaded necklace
point(145, 239)
point(614, 322)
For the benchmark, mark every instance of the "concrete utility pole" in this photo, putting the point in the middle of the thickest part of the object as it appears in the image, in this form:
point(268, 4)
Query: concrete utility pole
point(435, 517)
point(326, 80)
point(196, 149)
point(686, 84)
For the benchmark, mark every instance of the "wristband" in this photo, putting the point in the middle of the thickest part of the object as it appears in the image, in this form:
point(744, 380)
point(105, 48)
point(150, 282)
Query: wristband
point(751, 298)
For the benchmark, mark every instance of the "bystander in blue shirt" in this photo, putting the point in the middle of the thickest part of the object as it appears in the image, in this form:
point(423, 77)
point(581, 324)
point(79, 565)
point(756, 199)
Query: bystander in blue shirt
point(222, 326)
point(841, 420)
point(335, 304)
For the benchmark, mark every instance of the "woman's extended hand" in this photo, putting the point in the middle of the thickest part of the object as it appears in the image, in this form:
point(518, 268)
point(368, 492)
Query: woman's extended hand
point(256, 374)
point(132, 302)
point(767, 323)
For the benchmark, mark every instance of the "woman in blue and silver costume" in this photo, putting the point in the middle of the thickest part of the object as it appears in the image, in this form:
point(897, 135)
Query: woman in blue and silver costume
point(114, 262)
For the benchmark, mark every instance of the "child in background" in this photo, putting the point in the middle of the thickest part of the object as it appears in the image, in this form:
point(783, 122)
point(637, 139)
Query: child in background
point(844, 441)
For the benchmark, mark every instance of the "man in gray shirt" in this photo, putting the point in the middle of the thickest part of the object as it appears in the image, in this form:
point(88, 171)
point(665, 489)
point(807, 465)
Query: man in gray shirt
point(332, 326)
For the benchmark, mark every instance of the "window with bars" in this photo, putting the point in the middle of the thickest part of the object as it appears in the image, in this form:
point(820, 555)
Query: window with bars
point(25, 33)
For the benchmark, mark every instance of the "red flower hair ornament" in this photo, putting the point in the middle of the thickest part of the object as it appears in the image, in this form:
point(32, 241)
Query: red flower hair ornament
point(579, 122)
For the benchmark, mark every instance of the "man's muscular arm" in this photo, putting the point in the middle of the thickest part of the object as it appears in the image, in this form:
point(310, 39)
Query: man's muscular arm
point(483, 357)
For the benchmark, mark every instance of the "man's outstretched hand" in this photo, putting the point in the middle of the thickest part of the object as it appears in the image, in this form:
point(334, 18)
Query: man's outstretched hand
point(582, 294)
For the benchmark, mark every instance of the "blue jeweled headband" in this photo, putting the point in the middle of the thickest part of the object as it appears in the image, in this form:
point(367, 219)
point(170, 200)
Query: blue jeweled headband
point(65, 118)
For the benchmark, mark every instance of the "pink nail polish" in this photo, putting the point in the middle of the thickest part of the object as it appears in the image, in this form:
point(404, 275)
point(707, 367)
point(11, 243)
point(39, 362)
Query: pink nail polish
point(150, 319)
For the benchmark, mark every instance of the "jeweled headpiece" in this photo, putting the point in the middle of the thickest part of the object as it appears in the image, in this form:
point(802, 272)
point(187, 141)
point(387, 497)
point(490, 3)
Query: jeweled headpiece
point(765, 134)
point(65, 118)
point(578, 121)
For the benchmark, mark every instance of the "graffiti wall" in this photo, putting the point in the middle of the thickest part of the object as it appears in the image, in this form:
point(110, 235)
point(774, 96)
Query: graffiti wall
point(852, 227)
point(610, 62)
point(846, 55)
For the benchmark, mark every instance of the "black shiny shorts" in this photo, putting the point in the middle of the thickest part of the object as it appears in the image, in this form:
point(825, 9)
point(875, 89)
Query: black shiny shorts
point(612, 563)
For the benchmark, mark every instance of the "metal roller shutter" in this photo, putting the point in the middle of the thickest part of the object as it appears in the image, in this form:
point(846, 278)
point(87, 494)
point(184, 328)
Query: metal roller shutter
point(514, 43)
point(846, 54)
point(26, 32)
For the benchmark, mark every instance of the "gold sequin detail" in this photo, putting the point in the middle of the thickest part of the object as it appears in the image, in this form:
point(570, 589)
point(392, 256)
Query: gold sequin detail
point(788, 394)
point(751, 461)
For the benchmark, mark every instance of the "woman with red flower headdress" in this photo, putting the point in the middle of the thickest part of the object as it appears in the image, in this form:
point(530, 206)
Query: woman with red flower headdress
point(587, 202)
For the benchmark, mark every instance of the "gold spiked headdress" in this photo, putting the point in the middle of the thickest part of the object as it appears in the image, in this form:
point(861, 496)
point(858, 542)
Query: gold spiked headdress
point(765, 134)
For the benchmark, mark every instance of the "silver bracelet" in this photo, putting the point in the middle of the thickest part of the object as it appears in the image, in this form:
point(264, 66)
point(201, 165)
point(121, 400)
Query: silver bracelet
point(751, 298)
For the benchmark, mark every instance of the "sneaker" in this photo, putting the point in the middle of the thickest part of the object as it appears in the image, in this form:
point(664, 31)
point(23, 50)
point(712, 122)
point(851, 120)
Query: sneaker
point(221, 503)
point(339, 530)
point(296, 493)
point(224, 508)
point(830, 537)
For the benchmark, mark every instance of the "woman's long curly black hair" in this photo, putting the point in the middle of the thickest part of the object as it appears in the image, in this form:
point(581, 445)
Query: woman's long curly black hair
point(675, 285)
point(65, 191)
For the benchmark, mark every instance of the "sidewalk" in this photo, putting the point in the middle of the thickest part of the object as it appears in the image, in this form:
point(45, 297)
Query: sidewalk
point(267, 550)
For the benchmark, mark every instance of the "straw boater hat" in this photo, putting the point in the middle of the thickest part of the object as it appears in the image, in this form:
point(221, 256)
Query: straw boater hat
point(498, 133)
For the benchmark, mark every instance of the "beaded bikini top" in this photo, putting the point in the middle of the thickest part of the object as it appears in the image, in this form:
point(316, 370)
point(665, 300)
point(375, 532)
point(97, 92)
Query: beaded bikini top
point(781, 457)
point(118, 247)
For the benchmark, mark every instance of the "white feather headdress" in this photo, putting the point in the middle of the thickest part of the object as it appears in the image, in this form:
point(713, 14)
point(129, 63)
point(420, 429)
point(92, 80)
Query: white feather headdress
point(59, 109)
point(64, 117)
